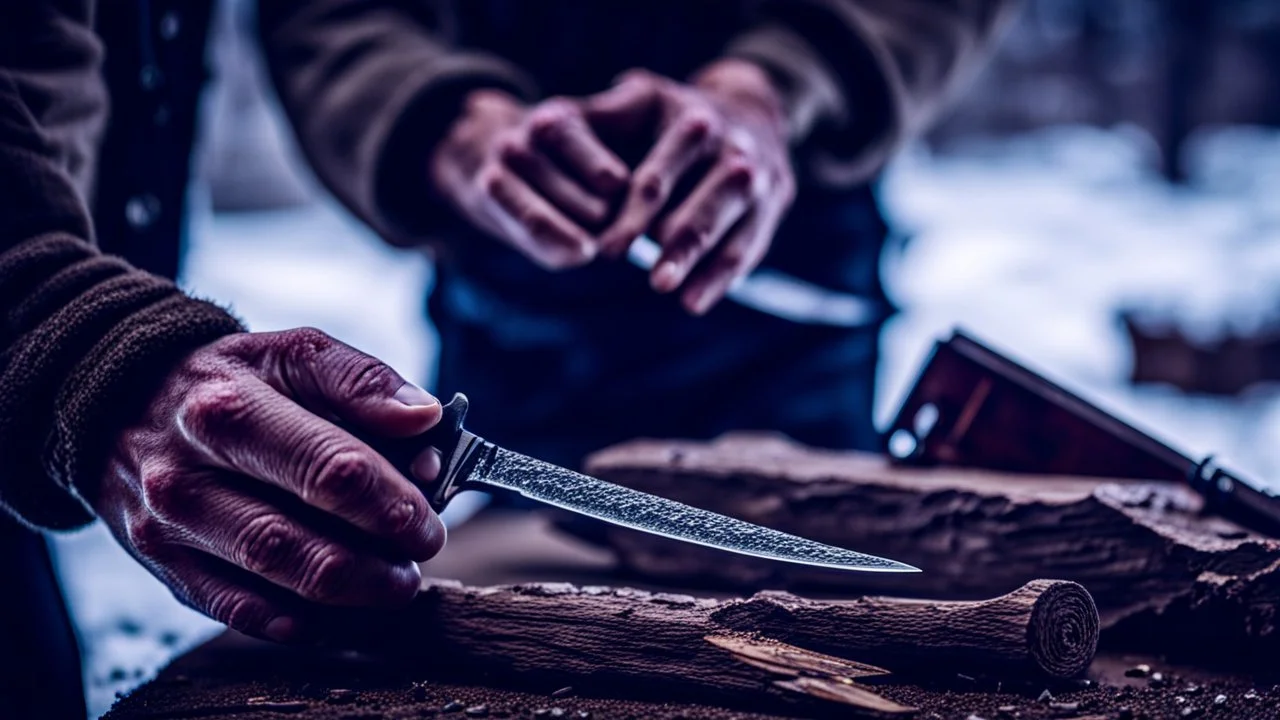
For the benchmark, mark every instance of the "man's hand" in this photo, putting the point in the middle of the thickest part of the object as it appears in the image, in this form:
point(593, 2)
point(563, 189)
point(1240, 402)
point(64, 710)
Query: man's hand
point(535, 177)
point(725, 135)
point(239, 491)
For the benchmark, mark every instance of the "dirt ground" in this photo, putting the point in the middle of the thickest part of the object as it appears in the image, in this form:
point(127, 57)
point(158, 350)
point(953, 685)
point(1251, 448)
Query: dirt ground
point(234, 677)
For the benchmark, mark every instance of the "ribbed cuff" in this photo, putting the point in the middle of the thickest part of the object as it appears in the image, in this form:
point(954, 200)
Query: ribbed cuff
point(110, 388)
point(810, 92)
point(84, 336)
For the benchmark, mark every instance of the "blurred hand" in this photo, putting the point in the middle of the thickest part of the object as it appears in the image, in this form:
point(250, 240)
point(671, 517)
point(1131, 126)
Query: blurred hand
point(536, 177)
point(725, 135)
point(240, 494)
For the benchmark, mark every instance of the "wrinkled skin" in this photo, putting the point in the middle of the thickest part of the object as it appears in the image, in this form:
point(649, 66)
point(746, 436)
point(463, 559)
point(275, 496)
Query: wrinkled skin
point(724, 135)
point(536, 177)
point(240, 488)
point(240, 491)
point(541, 179)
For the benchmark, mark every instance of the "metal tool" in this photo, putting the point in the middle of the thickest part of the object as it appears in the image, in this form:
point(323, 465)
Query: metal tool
point(472, 463)
point(973, 407)
point(780, 295)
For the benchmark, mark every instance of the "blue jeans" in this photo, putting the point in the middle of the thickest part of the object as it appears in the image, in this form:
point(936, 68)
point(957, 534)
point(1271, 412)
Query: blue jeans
point(558, 365)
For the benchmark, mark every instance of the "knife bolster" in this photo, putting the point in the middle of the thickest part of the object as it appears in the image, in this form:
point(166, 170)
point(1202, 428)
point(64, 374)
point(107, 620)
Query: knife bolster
point(467, 454)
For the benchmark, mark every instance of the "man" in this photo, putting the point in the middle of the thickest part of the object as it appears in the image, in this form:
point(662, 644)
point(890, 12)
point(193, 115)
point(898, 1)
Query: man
point(529, 143)
point(224, 461)
point(230, 463)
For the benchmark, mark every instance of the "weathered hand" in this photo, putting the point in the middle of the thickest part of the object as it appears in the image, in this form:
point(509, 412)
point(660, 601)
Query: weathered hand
point(536, 177)
point(239, 491)
point(725, 135)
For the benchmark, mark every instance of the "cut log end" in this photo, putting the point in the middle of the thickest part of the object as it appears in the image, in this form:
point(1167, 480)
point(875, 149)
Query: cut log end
point(1063, 632)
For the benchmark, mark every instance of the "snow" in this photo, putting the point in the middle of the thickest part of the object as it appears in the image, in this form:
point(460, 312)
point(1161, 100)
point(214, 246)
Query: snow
point(1032, 243)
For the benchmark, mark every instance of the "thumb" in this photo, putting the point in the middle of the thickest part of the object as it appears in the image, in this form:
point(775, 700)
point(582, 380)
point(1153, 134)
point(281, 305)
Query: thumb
point(334, 380)
point(628, 107)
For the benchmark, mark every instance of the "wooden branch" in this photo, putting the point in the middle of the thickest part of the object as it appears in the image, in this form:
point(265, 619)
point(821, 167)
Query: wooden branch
point(1163, 576)
point(772, 647)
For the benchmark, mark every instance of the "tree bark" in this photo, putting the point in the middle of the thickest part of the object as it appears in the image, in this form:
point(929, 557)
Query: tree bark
point(772, 647)
point(1164, 577)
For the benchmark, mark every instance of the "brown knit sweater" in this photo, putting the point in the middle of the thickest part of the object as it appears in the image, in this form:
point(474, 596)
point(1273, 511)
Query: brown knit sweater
point(84, 338)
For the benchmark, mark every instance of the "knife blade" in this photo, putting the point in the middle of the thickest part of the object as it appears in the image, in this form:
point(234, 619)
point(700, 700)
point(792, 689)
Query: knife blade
point(780, 295)
point(470, 462)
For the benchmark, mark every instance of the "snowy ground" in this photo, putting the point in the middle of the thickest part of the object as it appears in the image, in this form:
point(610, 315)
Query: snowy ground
point(1032, 244)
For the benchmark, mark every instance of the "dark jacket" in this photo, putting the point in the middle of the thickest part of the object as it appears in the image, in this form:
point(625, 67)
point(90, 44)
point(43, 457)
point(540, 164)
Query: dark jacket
point(559, 365)
point(86, 336)
point(370, 85)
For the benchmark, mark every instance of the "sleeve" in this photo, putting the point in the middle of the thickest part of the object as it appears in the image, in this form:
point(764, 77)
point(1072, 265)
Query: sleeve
point(84, 337)
point(369, 87)
point(860, 77)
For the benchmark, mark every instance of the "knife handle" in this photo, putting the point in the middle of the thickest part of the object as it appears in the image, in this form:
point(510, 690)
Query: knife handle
point(444, 437)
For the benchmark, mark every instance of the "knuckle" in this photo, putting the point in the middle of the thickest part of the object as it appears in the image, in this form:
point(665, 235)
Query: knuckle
point(491, 179)
point(160, 489)
point(405, 515)
point(341, 477)
point(699, 125)
point(261, 547)
point(306, 342)
point(739, 171)
point(238, 610)
point(512, 149)
point(361, 375)
point(734, 256)
point(538, 225)
point(302, 347)
point(651, 187)
point(330, 570)
point(697, 238)
point(214, 409)
point(552, 119)
point(146, 535)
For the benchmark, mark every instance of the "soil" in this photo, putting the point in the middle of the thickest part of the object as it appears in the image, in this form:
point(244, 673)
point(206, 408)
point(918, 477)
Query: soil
point(235, 677)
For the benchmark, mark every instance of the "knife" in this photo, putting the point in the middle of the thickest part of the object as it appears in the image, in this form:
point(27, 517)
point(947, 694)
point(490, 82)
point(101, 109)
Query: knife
point(780, 295)
point(470, 462)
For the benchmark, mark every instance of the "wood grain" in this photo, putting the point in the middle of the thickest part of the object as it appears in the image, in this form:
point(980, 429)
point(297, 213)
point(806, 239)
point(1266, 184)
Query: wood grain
point(771, 648)
point(1164, 577)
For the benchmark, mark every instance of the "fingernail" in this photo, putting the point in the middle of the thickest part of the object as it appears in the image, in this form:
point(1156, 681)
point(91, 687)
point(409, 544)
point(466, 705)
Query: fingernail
point(282, 629)
point(414, 396)
point(666, 277)
point(437, 534)
point(426, 466)
point(703, 302)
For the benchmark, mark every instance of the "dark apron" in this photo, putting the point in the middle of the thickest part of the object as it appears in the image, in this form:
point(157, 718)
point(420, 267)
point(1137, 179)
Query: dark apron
point(558, 365)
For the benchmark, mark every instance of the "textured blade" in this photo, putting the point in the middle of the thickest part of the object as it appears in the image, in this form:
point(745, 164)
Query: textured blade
point(619, 505)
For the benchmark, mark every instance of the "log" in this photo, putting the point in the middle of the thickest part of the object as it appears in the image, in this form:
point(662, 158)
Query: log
point(772, 647)
point(1165, 578)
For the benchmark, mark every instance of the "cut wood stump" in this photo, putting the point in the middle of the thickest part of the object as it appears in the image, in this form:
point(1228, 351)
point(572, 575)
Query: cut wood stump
point(772, 648)
point(1165, 578)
